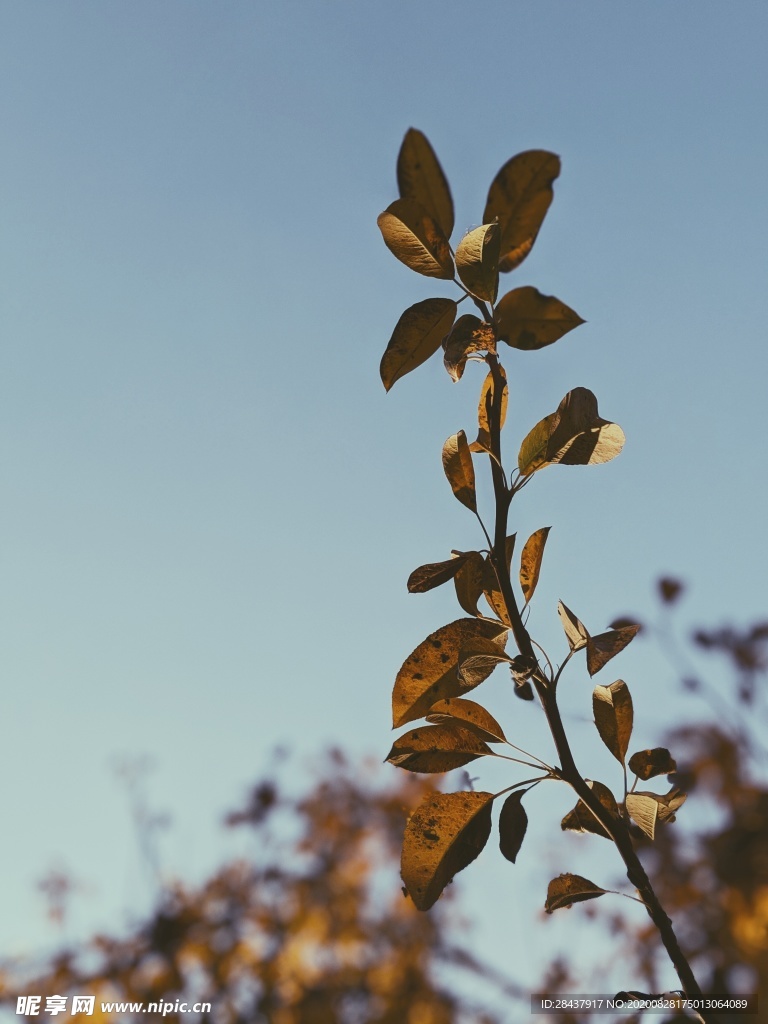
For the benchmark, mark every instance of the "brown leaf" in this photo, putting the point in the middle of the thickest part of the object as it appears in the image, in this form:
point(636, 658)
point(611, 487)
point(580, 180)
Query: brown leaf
point(478, 661)
point(643, 808)
point(437, 748)
point(477, 261)
point(526, 319)
point(669, 803)
point(469, 582)
point(470, 714)
point(513, 823)
point(575, 630)
point(420, 177)
point(670, 589)
point(418, 335)
point(470, 334)
point(457, 463)
point(416, 239)
point(484, 409)
point(429, 673)
point(601, 648)
point(647, 764)
point(493, 594)
point(519, 198)
point(581, 819)
point(530, 561)
point(612, 706)
point(568, 889)
point(574, 435)
point(443, 835)
point(426, 577)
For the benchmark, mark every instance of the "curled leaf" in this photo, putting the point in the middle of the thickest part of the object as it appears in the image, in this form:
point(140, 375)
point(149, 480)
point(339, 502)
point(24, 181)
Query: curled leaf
point(429, 672)
point(574, 435)
point(434, 574)
point(443, 835)
point(575, 630)
point(643, 808)
point(469, 582)
point(418, 334)
point(478, 661)
point(470, 334)
point(416, 239)
point(484, 411)
point(581, 819)
point(647, 764)
point(513, 824)
point(601, 648)
point(457, 463)
point(567, 889)
point(612, 706)
point(526, 319)
point(530, 561)
point(437, 748)
point(519, 198)
point(420, 177)
point(469, 714)
point(477, 261)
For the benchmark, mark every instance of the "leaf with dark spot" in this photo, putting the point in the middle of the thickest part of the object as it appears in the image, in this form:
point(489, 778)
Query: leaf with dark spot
point(530, 561)
point(437, 748)
point(434, 574)
point(526, 319)
point(469, 714)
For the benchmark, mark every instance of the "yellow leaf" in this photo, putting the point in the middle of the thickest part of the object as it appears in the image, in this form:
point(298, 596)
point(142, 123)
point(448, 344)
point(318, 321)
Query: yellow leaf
point(526, 319)
point(418, 335)
point(574, 435)
point(477, 261)
point(530, 561)
point(420, 177)
point(575, 630)
point(468, 582)
point(416, 239)
point(484, 408)
point(469, 713)
point(457, 463)
point(427, 577)
point(477, 661)
point(519, 198)
point(644, 811)
point(437, 748)
point(443, 835)
point(470, 334)
point(612, 706)
point(429, 672)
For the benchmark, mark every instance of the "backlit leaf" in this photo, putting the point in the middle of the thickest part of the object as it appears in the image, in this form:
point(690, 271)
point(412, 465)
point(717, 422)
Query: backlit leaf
point(477, 261)
point(469, 582)
point(418, 335)
point(429, 673)
point(470, 334)
point(437, 748)
point(527, 320)
point(493, 594)
point(426, 577)
point(478, 661)
point(519, 198)
point(416, 239)
point(420, 177)
point(574, 435)
point(513, 823)
point(581, 819)
point(484, 410)
point(612, 706)
point(443, 835)
point(647, 764)
point(575, 630)
point(568, 889)
point(457, 463)
point(470, 714)
point(530, 561)
point(601, 648)
point(669, 803)
point(643, 808)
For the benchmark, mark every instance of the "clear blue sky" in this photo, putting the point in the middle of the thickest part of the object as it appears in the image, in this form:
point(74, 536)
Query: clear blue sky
point(210, 506)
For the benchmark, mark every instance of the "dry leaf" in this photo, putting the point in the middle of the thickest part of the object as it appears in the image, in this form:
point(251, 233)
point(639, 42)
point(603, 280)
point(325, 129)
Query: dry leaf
point(426, 577)
point(643, 808)
point(416, 239)
point(519, 198)
point(429, 673)
point(575, 630)
point(484, 410)
point(443, 835)
point(437, 748)
point(470, 334)
point(418, 335)
point(457, 463)
point(526, 319)
point(612, 706)
point(469, 582)
point(478, 661)
point(601, 648)
point(477, 261)
point(513, 823)
point(574, 435)
point(420, 177)
point(581, 819)
point(530, 561)
point(470, 714)
point(568, 889)
point(647, 764)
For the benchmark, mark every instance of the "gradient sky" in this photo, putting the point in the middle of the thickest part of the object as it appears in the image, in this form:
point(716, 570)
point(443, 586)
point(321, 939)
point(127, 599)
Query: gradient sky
point(210, 506)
